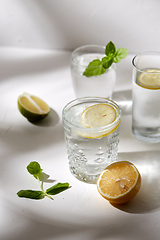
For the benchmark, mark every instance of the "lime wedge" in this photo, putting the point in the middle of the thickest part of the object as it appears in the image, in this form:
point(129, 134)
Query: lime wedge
point(97, 116)
point(150, 79)
point(32, 107)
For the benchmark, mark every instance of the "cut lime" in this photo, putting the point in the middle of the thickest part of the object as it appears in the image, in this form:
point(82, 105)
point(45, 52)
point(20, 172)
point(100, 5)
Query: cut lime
point(32, 107)
point(150, 79)
point(97, 116)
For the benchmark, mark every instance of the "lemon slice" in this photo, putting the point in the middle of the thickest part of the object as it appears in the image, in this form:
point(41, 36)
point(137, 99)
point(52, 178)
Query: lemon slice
point(150, 79)
point(98, 116)
point(119, 182)
point(32, 107)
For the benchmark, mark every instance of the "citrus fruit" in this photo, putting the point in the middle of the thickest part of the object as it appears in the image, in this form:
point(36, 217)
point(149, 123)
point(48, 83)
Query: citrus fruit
point(150, 79)
point(99, 116)
point(119, 182)
point(32, 107)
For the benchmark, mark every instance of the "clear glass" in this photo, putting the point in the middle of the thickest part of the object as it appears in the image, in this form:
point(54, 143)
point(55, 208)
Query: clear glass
point(101, 85)
point(146, 101)
point(89, 156)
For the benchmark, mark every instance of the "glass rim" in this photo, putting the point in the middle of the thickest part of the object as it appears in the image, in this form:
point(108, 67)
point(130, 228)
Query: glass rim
point(86, 47)
point(90, 100)
point(143, 54)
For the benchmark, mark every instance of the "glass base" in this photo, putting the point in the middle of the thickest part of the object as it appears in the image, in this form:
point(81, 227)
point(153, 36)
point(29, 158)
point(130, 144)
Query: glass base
point(84, 177)
point(148, 138)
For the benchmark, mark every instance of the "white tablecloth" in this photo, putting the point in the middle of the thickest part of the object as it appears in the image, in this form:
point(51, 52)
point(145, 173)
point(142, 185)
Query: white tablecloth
point(79, 212)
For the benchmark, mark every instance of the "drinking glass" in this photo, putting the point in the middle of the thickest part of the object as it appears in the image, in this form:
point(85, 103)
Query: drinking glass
point(90, 150)
point(146, 97)
point(100, 85)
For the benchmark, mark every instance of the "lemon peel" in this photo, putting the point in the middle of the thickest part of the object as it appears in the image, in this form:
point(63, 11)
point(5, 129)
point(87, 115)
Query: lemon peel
point(98, 116)
point(119, 182)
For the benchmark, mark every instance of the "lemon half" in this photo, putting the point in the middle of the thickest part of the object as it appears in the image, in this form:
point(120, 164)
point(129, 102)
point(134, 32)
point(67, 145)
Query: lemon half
point(150, 79)
point(97, 116)
point(32, 107)
point(119, 182)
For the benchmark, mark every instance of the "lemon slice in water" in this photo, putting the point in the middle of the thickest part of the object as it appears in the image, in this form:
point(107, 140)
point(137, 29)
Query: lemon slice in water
point(32, 107)
point(97, 116)
point(150, 79)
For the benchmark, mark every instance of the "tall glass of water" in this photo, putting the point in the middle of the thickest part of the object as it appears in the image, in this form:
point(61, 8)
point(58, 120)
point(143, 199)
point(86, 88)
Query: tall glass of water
point(146, 97)
point(101, 85)
point(91, 128)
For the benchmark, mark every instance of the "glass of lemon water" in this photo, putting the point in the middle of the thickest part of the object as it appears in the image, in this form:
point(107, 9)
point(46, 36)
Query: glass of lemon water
point(100, 85)
point(91, 129)
point(146, 97)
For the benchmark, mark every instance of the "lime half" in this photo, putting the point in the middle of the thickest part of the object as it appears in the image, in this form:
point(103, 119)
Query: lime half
point(150, 79)
point(32, 107)
point(97, 116)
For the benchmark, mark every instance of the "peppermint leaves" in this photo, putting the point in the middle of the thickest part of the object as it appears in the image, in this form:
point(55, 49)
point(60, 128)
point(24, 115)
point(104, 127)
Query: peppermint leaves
point(113, 55)
point(35, 170)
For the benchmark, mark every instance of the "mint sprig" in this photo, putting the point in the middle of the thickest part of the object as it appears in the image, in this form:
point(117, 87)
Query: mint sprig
point(35, 169)
point(113, 55)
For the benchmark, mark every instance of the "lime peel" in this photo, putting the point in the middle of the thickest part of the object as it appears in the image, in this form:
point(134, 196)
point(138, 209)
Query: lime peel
point(32, 107)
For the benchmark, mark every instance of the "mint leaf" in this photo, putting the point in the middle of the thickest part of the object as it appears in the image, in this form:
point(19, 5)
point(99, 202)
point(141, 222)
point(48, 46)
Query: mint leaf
point(110, 49)
point(121, 53)
point(107, 62)
point(57, 188)
point(94, 68)
point(98, 67)
point(31, 194)
point(34, 168)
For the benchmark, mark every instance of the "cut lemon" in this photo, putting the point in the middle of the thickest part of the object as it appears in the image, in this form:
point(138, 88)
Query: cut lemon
point(150, 79)
point(97, 116)
point(32, 107)
point(119, 182)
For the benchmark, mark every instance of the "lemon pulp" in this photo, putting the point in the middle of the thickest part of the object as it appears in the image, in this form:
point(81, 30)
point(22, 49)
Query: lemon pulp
point(97, 116)
point(119, 182)
point(150, 79)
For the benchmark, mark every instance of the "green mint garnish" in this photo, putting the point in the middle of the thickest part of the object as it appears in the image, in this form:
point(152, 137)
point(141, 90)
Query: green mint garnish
point(94, 68)
point(31, 194)
point(35, 169)
point(110, 49)
point(121, 53)
point(57, 188)
point(113, 54)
